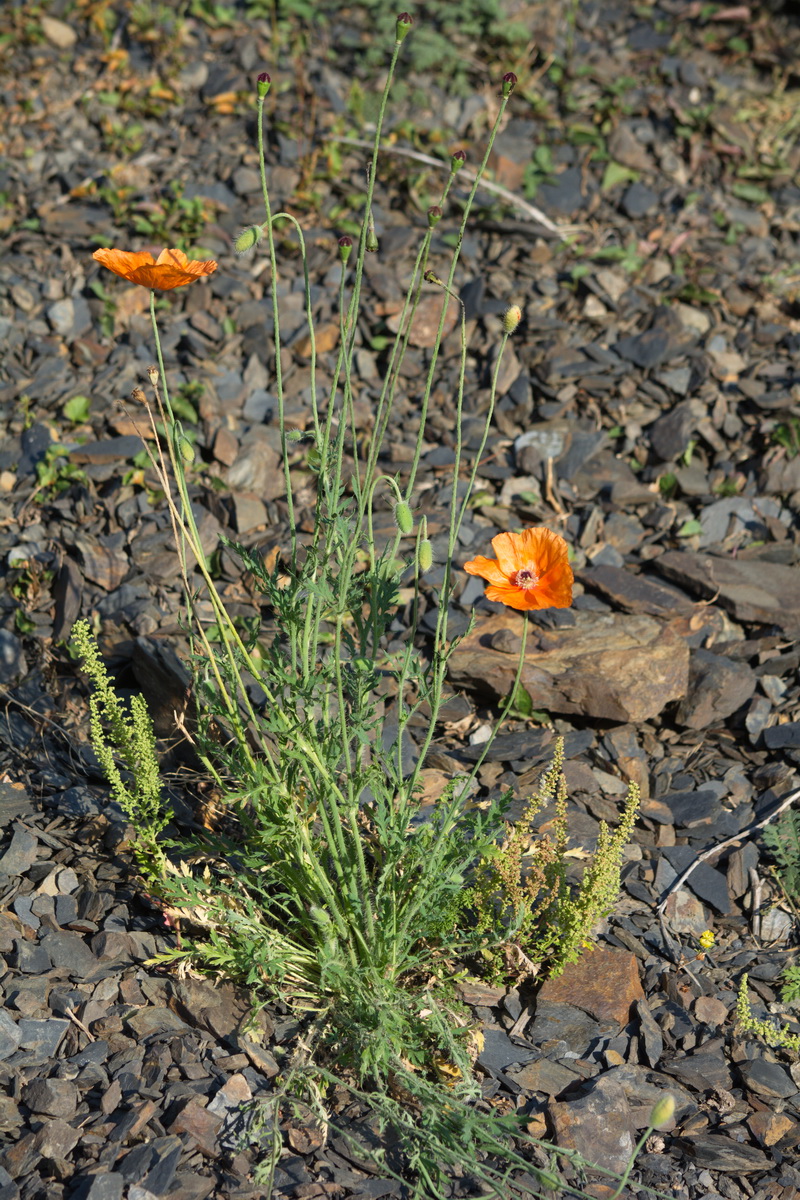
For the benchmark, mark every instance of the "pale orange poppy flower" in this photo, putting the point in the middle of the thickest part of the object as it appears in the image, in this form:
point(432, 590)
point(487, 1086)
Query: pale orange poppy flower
point(172, 269)
point(531, 570)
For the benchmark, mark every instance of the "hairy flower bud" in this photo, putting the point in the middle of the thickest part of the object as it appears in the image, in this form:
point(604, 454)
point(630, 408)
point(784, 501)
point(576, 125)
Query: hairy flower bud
point(425, 556)
point(404, 23)
point(262, 84)
point(434, 215)
point(431, 277)
point(457, 160)
point(187, 450)
point(663, 1110)
point(248, 238)
point(372, 238)
point(345, 246)
point(509, 82)
point(403, 517)
point(511, 318)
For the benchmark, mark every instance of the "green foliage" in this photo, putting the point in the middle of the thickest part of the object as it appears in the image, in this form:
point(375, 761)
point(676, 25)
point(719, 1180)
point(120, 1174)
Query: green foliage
point(782, 839)
point(128, 737)
point(767, 1030)
point(55, 473)
point(787, 434)
point(77, 409)
point(522, 884)
point(790, 991)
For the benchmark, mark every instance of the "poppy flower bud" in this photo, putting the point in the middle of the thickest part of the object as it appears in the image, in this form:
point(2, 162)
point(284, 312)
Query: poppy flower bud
point(262, 84)
point(403, 518)
point(425, 556)
point(457, 160)
point(511, 318)
point(434, 215)
point(663, 1110)
point(345, 246)
point(430, 277)
point(187, 450)
point(248, 238)
point(509, 81)
point(152, 375)
point(404, 23)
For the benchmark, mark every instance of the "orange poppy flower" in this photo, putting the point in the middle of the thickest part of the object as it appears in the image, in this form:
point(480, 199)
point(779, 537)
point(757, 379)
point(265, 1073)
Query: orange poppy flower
point(531, 570)
point(172, 269)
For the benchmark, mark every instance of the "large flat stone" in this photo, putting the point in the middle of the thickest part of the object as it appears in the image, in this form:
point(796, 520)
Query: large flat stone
point(613, 666)
point(754, 589)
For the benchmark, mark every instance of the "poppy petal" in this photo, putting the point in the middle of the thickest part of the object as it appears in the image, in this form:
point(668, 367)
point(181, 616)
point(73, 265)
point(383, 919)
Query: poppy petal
point(123, 262)
point(508, 550)
point(488, 569)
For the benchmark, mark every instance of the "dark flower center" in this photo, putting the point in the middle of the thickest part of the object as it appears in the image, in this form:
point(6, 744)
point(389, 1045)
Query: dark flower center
point(526, 579)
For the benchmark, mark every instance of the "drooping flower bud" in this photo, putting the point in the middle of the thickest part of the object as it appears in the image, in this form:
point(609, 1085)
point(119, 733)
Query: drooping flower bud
point(248, 238)
point(345, 246)
point(434, 215)
point(457, 160)
point(509, 81)
point(404, 23)
point(187, 450)
point(262, 84)
point(403, 517)
point(511, 318)
point(425, 556)
point(663, 1110)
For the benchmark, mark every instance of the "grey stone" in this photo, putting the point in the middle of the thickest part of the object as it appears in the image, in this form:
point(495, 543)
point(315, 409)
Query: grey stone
point(42, 1036)
point(29, 957)
point(108, 1186)
point(153, 1164)
point(564, 1022)
point(752, 589)
point(706, 882)
point(51, 1097)
point(12, 657)
point(670, 434)
point(499, 1051)
point(20, 854)
point(69, 950)
point(10, 1036)
point(651, 1042)
point(638, 200)
point(706, 1069)
point(565, 194)
point(598, 1125)
point(783, 737)
point(768, 1078)
point(718, 686)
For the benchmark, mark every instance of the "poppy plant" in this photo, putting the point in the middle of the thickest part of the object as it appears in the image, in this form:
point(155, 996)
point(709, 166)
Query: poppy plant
point(531, 570)
point(172, 269)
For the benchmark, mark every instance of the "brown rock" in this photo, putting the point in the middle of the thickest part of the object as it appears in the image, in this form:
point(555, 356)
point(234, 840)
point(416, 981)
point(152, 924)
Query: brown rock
point(769, 1127)
point(710, 1011)
point(611, 666)
point(201, 1126)
point(598, 1126)
point(426, 318)
point(604, 983)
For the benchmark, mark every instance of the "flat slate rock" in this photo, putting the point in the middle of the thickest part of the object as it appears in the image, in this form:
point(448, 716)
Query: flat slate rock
point(753, 590)
point(612, 666)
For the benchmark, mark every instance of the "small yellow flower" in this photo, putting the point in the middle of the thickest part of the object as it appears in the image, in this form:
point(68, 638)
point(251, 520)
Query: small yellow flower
point(706, 939)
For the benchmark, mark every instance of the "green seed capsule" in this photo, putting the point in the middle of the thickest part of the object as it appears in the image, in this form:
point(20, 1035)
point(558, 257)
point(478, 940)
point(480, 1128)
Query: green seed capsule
point(403, 518)
point(511, 318)
point(663, 1110)
point(425, 556)
point(247, 239)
